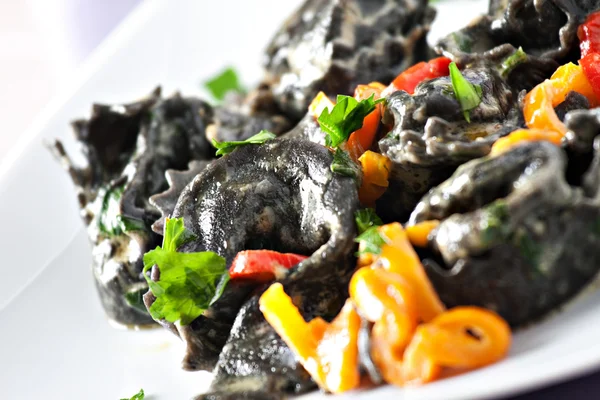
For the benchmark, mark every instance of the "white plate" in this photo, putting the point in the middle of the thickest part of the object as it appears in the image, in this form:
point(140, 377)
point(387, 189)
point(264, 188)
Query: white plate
point(54, 340)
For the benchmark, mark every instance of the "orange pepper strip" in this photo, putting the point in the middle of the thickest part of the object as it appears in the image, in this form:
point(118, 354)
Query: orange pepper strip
point(539, 103)
point(445, 342)
point(387, 300)
point(376, 170)
point(538, 110)
point(328, 351)
point(524, 135)
point(418, 233)
point(571, 77)
point(397, 255)
point(363, 138)
point(319, 103)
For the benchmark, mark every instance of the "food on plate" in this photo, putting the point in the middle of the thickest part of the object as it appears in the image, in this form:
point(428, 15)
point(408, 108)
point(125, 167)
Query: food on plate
point(374, 211)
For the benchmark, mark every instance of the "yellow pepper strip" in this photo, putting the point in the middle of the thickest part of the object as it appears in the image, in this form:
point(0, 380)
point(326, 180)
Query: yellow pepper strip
point(384, 298)
point(418, 234)
point(319, 103)
point(525, 135)
point(328, 351)
point(539, 103)
point(397, 255)
point(376, 170)
point(446, 342)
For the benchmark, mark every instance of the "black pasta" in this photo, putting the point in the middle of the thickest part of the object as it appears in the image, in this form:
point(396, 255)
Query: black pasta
point(431, 137)
point(332, 46)
point(281, 196)
point(514, 236)
point(128, 148)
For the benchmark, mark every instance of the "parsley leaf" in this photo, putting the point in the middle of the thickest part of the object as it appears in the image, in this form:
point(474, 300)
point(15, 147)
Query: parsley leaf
point(467, 94)
point(226, 81)
point(370, 241)
point(344, 165)
point(110, 209)
point(346, 117)
point(110, 220)
point(366, 218)
point(189, 282)
point(510, 62)
point(227, 147)
point(138, 396)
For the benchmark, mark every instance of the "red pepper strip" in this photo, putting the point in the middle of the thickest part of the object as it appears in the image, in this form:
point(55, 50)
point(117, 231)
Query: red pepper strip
point(362, 139)
point(591, 68)
point(423, 71)
point(262, 265)
point(589, 35)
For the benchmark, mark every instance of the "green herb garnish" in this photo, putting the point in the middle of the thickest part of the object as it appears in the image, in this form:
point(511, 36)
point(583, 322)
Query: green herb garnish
point(227, 147)
point(189, 282)
point(224, 82)
point(365, 219)
point(370, 241)
point(135, 298)
point(463, 41)
point(467, 94)
point(346, 117)
point(510, 62)
point(138, 396)
point(344, 165)
point(110, 220)
point(110, 209)
point(495, 223)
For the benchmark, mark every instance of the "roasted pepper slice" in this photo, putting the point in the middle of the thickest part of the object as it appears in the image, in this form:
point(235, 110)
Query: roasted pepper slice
point(328, 352)
point(397, 255)
point(423, 71)
point(262, 265)
point(376, 170)
point(386, 299)
point(525, 135)
point(464, 337)
point(589, 35)
point(541, 100)
point(591, 68)
point(362, 139)
point(418, 233)
point(319, 103)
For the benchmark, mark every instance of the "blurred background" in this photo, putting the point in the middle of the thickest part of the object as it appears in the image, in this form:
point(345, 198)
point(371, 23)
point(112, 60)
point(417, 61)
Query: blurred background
point(42, 43)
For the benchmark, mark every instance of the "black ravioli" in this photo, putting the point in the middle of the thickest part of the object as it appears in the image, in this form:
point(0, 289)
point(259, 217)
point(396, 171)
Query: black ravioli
point(515, 237)
point(431, 137)
point(280, 195)
point(332, 46)
point(127, 149)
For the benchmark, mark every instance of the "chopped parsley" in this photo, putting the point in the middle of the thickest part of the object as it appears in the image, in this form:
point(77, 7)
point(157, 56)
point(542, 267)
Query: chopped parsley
point(110, 209)
point(138, 396)
point(135, 298)
point(227, 147)
point(110, 220)
point(510, 62)
point(344, 165)
point(346, 117)
point(365, 219)
point(370, 241)
point(467, 94)
point(224, 82)
point(189, 282)
point(495, 222)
